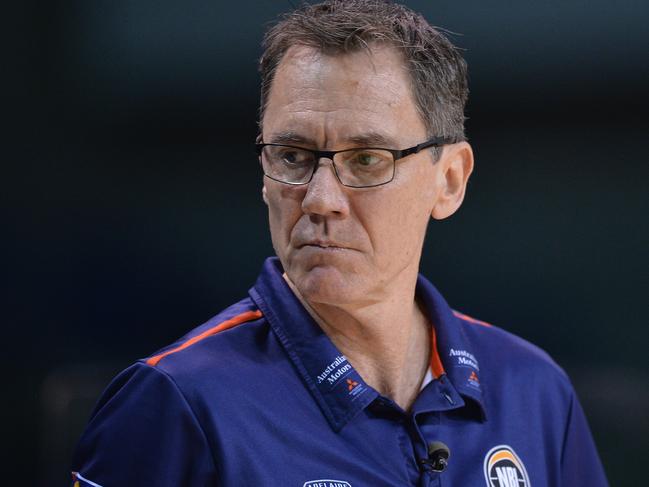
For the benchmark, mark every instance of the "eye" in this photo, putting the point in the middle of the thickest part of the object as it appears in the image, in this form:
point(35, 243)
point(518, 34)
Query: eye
point(369, 159)
point(293, 157)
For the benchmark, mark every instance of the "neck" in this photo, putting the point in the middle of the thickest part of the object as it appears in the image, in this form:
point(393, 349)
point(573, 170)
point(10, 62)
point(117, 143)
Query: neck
point(387, 342)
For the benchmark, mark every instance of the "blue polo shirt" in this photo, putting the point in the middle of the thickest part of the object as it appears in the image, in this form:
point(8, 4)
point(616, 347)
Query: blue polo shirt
point(260, 396)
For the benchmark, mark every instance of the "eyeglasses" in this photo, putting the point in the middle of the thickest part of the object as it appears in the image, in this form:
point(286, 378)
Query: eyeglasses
point(356, 168)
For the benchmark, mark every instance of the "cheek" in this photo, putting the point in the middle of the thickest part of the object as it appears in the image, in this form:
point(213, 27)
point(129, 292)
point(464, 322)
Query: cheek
point(398, 221)
point(284, 210)
point(375, 220)
point(402, 228)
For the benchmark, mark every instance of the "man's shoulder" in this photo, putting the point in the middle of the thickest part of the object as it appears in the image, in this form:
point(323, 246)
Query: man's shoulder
point(224, 340)
point(223, 354)
point(503, 354)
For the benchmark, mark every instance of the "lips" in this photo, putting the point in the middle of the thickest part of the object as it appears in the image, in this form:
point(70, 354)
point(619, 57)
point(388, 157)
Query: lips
point(323, 244)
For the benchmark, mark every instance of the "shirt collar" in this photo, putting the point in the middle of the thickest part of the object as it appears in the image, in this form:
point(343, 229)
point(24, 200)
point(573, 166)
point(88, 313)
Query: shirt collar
point(338, 389)
point(453, 348)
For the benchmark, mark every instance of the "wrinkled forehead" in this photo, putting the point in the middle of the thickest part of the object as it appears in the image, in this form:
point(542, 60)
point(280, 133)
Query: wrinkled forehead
point(368, 89)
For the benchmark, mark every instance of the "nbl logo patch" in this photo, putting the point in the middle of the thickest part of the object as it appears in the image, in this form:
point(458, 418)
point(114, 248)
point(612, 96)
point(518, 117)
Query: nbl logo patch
point(503, 468)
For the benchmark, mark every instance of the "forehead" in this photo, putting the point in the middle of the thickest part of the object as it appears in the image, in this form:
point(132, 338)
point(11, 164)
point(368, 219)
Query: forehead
point(331, 97)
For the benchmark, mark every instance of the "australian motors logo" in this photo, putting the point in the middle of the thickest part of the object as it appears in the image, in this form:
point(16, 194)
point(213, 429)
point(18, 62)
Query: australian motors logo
point(503, 468)
point(338, 372)
point(464, 358)
point(335, 370)
point(351, 384)
point(354, 388)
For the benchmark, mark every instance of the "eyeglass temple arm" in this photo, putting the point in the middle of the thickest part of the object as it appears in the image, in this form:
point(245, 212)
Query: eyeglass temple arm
point(434, 142)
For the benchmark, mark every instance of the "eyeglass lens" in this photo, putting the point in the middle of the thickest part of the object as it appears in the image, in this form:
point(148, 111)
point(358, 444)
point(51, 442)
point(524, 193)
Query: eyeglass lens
point(354, 167)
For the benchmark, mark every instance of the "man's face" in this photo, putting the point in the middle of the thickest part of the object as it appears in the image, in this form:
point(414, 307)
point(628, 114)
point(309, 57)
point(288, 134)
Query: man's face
point(339, 245)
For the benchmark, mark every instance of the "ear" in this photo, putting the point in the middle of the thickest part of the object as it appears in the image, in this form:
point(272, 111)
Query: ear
point(456, 165)
point(264, 196)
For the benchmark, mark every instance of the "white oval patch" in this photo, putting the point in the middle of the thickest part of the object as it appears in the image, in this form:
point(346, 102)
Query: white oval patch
point(326, 483)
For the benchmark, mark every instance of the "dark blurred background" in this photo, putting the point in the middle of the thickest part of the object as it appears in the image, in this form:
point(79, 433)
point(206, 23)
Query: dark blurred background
point(133, 212)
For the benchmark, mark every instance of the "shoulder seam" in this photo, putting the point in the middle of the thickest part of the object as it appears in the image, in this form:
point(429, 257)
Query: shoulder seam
point(468, 318)
point(230, 323)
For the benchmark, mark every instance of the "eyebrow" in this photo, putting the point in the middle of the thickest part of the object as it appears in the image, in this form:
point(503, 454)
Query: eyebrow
point(372, 139)
point(367, 139)
point(290, 138)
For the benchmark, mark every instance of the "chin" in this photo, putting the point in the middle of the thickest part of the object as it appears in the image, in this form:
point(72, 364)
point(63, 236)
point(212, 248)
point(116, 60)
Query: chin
point(327, 285)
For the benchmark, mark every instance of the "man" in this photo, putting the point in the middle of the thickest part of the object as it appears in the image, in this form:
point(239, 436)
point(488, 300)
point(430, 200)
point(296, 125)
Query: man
point(344, 367)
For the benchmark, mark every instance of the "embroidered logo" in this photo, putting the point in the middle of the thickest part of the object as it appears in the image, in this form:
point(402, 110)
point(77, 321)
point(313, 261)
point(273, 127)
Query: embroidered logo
point(335, 370)
point(326, 483)
point(503, 468)
point(464, 358)
point(351, 384)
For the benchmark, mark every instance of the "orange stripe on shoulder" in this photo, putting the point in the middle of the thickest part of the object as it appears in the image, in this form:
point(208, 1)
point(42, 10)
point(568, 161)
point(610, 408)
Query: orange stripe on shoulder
point(472, 320)
point(435, 361)
point(232, 322)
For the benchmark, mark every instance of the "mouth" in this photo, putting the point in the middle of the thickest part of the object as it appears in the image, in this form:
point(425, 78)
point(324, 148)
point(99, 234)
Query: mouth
point(323, 245)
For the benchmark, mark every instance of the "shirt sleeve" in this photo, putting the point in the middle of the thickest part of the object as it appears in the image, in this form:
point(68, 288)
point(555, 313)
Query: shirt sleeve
point(143, 432)
point(580, 463)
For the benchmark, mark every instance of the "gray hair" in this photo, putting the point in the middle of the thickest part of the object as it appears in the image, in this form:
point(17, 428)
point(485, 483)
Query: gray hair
point(437, 69)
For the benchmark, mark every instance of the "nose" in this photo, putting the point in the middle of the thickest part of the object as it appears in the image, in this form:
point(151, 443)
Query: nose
point(325, 195)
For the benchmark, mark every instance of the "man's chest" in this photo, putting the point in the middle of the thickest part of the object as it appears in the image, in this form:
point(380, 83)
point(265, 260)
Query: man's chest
point(371, 451)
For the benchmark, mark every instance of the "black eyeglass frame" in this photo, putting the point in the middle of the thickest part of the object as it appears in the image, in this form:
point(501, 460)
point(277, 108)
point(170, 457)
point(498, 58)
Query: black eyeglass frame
point(397, 154)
